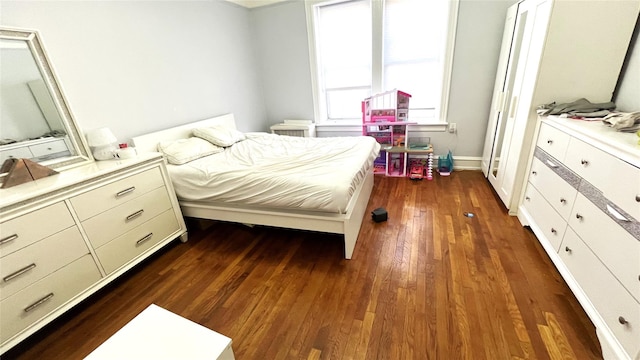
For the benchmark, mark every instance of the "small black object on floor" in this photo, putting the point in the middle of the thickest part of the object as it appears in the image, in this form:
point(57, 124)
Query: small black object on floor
point(379, 215)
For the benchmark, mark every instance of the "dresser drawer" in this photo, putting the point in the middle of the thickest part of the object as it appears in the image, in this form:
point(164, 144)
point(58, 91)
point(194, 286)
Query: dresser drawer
point(96, 201)
point(555, 190)
point(36, 301)
point(102, 228)
point(612, 301)
point(123, 249)
point(18, 153)
point(616, 248)
point(553, 141)
point(29, 228)
point(548, 220)
point(48, 148)
point(30, 264)
point(591, 164)
point(626, 194)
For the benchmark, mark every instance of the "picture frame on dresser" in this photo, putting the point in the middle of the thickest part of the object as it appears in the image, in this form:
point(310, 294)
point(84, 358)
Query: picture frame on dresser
point(65, 236)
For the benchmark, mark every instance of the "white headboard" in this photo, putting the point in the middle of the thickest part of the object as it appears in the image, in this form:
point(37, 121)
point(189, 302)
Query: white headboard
point(149, 142)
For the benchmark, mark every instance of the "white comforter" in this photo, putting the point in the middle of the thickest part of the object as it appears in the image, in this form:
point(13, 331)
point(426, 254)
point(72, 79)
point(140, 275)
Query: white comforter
point(268, 170)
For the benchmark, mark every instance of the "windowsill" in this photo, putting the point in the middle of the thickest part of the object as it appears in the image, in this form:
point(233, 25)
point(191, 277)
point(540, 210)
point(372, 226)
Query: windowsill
point(434, 127)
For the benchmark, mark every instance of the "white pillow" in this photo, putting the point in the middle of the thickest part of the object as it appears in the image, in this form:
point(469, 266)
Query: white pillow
point(182, 151)
point(219, 135)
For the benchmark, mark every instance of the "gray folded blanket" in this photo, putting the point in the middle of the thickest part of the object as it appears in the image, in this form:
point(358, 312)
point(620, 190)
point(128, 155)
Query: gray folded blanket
point(581, 107)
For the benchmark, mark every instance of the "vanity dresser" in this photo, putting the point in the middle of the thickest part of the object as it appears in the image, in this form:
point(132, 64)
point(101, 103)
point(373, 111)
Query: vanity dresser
point(582, 200)
point(65, 236)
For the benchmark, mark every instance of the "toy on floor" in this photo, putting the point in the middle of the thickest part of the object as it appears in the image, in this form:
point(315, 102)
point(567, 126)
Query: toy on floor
point(445, 164)
point(416, 172)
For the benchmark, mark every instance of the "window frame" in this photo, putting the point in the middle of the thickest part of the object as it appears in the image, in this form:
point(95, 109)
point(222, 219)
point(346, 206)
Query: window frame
point(377, 13)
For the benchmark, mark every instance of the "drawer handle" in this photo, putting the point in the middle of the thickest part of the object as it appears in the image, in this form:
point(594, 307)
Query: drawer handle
point(513, 107)
point(567, 249)
point(135, 215)
point(551, 164)
point(499, 105)
point(145, 238)
point(622, 320)
point(527, 198)
point(579, 217)
point(584, 162)
point(534, 172)
point(8, 238)
point(19, 272)
point(125, 191)
point(554, 231)
point(616, 214)
point(563, 200)
point(549, 141)
point(637, 198)
point(38, 303)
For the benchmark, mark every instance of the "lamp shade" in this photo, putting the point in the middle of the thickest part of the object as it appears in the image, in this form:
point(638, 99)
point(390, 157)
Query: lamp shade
point(102, 143)
point(101, 137)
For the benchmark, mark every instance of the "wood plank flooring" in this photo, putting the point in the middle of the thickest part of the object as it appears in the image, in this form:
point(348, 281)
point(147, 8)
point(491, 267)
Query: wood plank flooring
point(430, 283)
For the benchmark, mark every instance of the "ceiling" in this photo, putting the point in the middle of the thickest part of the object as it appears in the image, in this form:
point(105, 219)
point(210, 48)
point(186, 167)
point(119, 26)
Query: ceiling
point(254, 3)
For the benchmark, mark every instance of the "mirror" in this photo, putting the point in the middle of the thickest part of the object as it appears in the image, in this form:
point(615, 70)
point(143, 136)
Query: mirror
point(35, 120)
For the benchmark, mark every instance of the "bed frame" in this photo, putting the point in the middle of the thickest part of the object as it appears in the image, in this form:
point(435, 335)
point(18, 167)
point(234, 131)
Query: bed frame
point(347, 224)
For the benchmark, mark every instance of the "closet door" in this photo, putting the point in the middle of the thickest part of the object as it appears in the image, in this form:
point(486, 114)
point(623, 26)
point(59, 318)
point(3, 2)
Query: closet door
point(520, 107)
point(499, 88)
point(502, 135)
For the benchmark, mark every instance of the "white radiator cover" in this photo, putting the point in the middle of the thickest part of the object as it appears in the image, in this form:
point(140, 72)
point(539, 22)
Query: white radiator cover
point(300, 128)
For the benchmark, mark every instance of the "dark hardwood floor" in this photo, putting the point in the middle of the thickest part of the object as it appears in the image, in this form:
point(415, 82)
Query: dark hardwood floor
point(430, 283)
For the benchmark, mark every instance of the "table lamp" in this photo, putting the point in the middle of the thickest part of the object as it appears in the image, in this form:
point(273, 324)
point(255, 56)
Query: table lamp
point(102, 143)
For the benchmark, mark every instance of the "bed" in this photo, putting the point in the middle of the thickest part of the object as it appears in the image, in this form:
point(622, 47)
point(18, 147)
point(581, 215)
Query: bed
point(207, 194)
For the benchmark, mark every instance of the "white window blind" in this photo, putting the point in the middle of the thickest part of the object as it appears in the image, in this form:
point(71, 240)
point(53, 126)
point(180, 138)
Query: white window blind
point(414, 43)
point(344, 40)
point(411, 44)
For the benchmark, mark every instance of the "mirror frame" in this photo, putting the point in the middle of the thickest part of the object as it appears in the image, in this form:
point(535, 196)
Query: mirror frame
point(82, 153)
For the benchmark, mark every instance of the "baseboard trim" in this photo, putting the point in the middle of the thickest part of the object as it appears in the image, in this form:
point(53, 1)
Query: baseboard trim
point(467, 163)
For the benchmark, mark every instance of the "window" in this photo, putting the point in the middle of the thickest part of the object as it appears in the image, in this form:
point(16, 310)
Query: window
point(364, 47)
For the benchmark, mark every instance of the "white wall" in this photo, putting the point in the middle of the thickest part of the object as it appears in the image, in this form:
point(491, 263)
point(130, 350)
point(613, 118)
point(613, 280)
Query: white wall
point(138, 66)
point(282, 49)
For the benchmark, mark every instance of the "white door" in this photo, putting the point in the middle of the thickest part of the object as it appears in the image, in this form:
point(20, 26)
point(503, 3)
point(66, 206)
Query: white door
point(521, 110)
point(501, 135)
point(499, 89)
point(531, 26)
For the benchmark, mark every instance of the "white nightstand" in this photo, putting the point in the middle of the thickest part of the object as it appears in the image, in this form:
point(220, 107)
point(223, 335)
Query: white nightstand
point(157, 333)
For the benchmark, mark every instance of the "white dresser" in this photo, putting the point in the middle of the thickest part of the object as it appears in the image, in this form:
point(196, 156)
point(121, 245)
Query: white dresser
point(582, 200)
point(64, 237)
